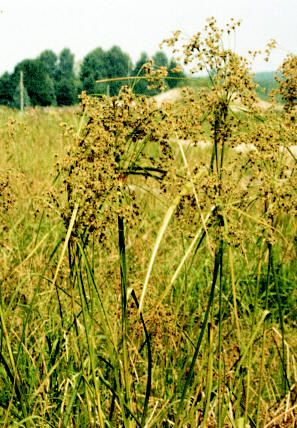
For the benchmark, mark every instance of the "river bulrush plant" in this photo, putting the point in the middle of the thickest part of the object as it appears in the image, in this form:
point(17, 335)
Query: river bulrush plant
point(256, 188)
point(122, 136)
point(236, 213)
point(168, 296)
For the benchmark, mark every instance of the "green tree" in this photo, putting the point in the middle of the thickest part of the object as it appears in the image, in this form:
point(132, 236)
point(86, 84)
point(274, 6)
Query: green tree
point(176, 73)
point(160, 60)
point(93, 68)
point(141, 86)
point(39, 84)
point(65, 81)
point(65, 65)
point(117, 65)
point(66, 92)
point(98, 65)
point(174, 70)
point(7, 88)
point(49, 59)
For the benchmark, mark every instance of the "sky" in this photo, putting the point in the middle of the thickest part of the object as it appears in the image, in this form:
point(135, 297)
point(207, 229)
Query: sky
point(27, 27)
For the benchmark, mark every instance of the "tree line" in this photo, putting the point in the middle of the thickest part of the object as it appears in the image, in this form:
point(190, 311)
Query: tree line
point(52, 80)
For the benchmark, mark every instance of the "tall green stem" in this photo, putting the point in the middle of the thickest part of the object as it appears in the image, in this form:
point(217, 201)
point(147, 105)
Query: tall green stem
point(217, 265)
point(123, 271)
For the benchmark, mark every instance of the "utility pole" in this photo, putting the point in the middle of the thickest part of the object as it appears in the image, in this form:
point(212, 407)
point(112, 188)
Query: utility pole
point(21, 91)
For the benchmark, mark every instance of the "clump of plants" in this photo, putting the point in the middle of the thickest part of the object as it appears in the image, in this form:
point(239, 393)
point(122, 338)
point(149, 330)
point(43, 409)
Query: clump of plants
point(232, 208)
point(123, 136)
point(171, 288)
point(251, 197)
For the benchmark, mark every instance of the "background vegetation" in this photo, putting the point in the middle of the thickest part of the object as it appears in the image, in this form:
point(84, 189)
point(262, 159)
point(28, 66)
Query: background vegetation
point(51, 80)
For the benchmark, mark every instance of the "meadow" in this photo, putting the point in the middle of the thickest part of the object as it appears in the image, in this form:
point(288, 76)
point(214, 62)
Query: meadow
point(149, 265)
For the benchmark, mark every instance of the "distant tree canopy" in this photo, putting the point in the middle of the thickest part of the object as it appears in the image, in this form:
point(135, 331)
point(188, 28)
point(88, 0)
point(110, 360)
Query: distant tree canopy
point(7, 89)
point(160, 59)
point(66, 85)
point(50, 79)
point(175, 76)
point(140, 85)
point(100, 65)
point(92, 69)
point(117, 65)
point(49, 60)
point(37, 81)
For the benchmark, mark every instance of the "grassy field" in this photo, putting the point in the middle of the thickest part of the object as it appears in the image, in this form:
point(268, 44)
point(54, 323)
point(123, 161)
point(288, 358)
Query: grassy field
point(148, 257)
point(214, 344)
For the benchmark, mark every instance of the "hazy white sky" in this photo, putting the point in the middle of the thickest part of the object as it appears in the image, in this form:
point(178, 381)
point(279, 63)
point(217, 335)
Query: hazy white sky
point(27, 27)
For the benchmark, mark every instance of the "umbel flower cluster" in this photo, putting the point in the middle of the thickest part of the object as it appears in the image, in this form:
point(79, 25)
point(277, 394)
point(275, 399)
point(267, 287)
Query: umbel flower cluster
point(259, 182)
point(127, 135)
point(122, 136)
point(288, 82)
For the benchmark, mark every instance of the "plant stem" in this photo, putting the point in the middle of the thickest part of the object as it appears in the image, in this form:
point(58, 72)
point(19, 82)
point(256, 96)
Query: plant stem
point(123, 270)
point(217, 265)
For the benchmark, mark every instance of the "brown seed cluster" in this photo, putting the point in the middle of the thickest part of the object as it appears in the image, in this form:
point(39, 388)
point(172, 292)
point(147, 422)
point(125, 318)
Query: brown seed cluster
point(261, 182)
point(123, 137)
point(128, 136)
point(7, 197)
point(288, 82)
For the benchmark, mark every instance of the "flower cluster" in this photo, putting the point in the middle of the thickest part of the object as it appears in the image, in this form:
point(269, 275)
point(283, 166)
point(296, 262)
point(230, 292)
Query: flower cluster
point(262, 180)
point(123, 136)
point(288, 82)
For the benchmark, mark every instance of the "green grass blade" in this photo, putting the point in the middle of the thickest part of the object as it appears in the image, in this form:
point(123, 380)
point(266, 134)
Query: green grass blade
point(160, 235)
